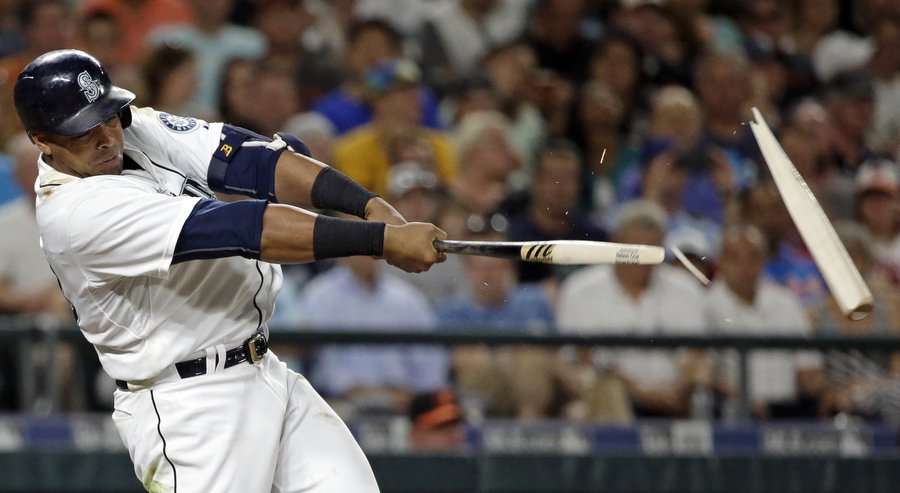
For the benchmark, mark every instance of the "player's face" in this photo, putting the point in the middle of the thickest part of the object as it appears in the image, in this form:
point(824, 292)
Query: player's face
point(97, 152)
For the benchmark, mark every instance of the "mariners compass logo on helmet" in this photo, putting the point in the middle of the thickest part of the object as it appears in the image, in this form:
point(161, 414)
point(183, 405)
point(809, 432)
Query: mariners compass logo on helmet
point(89, 86)
point(177, 123)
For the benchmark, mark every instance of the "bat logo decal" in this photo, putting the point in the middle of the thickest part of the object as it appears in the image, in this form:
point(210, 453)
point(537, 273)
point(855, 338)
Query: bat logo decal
point(540, 253)
point(628, 256)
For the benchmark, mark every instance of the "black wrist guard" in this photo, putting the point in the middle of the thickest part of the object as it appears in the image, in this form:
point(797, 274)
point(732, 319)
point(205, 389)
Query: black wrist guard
point(336, 191)
point(333, 237)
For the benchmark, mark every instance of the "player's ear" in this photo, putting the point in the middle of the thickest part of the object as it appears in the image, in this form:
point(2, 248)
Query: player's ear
point(40, 140)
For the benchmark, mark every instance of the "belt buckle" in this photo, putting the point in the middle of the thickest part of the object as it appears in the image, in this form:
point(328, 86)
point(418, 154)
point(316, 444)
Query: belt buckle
point(255, 354)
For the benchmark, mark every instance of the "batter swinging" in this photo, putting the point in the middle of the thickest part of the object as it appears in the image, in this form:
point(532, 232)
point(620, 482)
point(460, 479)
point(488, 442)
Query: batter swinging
point(174, 288)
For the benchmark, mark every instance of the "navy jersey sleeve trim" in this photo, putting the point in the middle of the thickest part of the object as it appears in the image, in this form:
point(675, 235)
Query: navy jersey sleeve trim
point(244, 163)
point(216, 229)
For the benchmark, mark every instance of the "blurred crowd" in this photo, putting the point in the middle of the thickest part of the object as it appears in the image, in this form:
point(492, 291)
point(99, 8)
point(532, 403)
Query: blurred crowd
point(619, 120)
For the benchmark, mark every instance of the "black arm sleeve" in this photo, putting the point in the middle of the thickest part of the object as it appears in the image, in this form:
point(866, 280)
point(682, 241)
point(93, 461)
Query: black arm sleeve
point(336, 191)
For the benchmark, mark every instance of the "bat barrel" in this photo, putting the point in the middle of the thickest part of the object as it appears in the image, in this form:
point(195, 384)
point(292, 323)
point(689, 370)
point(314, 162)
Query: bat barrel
point(843, 279)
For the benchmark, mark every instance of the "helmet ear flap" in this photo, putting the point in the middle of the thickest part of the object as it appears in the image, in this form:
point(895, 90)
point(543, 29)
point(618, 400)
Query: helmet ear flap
point(125, 117)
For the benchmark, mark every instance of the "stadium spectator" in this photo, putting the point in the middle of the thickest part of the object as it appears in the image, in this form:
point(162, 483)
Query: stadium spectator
point(562, 52)
point(46, 25)
point(789, 261)
point(316, 132)
point(365, 154)
point(740, 302)
point(437, 422)
point(511, 69)
point(28, 287)
point(459, 32)
point(850, 46)
point(696, 247)
point(877, 194)
point(783, 40)
point(331, 21)
point(296, 43)
point(827, 317)
point(833, 190)
point(213, 41)
point(675, 161)
point(560, 45)
point(722, 84)
point(469, 94)
point(639, 300)
point(98, 33)
point(414, 191)
point(371, 44)
point(170, 76)
point(406, 16)
point(616, 62)
point(520, 381)
point(608, 153)
point(136, 20)
point(862, 382)
point(812, 21)
point(553, 211)
point(849, 99)
point(487, 159)
point(665, 183)
point(236, 101)
point(276, 98)
point(354, 295)
point(766, 26)
point(554, 97)
point(809, 118)
point(11, 39)
point(884, 67)
point(702, 31)
point(667, 57)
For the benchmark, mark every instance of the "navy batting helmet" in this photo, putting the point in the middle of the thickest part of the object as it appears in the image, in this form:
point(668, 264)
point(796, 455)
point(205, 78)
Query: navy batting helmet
point(68, 92)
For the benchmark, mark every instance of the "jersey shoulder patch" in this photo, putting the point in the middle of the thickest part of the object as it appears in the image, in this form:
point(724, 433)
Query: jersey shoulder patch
point(181, 124)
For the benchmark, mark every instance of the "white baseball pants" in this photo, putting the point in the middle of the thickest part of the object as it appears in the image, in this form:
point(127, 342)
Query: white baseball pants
point(248, 428)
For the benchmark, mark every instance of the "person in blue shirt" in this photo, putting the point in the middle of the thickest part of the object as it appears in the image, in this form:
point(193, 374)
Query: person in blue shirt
point(496, 301)
point(553, 211)
point(370, 42)
point(521, 381)
point(371, 379)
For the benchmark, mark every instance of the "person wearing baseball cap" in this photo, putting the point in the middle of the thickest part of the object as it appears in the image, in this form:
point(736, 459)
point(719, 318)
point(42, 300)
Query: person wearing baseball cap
point(437, 423)
point(392, 89)
point(878, 208)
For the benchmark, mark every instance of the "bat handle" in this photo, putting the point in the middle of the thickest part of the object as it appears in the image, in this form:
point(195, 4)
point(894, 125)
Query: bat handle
point(503, 249)
point(447, 246)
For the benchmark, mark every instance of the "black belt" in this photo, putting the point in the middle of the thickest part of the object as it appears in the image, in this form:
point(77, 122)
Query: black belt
point(252, 350)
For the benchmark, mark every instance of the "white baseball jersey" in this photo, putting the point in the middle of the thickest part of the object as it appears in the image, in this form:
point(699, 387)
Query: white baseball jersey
point(110, 241)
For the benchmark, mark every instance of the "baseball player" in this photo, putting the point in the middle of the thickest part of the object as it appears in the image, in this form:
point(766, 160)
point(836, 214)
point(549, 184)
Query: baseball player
point(174, 288)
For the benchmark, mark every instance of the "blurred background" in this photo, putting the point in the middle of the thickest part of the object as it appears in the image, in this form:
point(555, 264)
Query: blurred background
point(620, 120)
